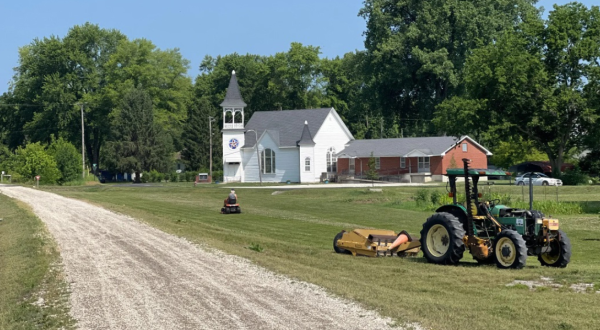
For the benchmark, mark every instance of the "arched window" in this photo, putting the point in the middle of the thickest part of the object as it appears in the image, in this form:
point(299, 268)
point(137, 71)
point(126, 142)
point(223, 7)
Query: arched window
point(331, 160)
point(267, 165)
point(307, 164)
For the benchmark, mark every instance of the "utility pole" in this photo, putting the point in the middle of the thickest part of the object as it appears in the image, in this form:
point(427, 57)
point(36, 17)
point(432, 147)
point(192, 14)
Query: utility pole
point(210, 120)
point(82, 144)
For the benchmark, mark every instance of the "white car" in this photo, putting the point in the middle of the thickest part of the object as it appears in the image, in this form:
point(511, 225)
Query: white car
point(539, 179)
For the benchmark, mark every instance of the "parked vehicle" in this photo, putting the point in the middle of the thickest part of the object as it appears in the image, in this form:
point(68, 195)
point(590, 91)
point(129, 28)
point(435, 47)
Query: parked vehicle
point(538, 179)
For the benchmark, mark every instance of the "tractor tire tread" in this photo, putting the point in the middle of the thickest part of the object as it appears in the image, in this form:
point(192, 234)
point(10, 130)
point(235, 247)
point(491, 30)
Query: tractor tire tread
point(455, 230)
point(565, 252)
point(521, 246)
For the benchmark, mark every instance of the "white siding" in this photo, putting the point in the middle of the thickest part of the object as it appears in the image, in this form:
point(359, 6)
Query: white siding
point(232, 172)
point(286, 163)
point(331, 134)
point(307, 177)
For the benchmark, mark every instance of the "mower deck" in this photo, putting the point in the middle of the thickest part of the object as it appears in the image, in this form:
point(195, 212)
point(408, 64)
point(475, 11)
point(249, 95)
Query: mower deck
point(375, 243)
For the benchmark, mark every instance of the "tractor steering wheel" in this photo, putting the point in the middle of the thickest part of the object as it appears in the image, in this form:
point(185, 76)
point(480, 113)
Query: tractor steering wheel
point(494, 202)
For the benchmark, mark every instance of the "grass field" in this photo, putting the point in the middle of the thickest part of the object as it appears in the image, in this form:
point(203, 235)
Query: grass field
point(295, 230)
point(32, 291)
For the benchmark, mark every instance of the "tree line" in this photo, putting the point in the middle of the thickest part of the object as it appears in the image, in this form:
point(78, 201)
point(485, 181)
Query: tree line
point(524, 86)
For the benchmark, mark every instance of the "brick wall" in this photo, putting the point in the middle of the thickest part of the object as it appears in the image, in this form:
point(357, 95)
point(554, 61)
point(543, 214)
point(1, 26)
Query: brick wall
point(476, 155)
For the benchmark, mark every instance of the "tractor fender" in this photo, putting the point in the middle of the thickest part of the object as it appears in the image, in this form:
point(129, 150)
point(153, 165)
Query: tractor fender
point(458, 211)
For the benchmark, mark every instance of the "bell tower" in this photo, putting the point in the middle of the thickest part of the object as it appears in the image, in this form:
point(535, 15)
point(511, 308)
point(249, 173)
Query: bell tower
point(233, 132)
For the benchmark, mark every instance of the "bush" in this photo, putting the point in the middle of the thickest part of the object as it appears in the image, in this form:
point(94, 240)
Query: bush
point(155, 176)
point(189, 176)
point(422, 197)
point(438, 198)
point(68, 160)
point(34, 160)
point(575, 177)
point(217, 176)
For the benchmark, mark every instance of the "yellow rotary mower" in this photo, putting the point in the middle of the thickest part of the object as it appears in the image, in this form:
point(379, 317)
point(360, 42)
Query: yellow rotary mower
point(376, 243)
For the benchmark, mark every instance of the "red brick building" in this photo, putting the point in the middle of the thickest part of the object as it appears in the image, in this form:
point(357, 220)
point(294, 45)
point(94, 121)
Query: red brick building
point(421, 159)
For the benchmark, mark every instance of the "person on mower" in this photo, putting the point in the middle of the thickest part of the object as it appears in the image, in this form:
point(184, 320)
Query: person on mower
point(231, 199)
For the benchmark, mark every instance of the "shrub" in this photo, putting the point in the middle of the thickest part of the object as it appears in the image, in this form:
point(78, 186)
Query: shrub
point(34, 160)
point(190, 176)
point(68, 160)
point(145, 177)
point(217, 175)
point(155, 176)
point(438, 198)
point(422, 197)
point(575, 177)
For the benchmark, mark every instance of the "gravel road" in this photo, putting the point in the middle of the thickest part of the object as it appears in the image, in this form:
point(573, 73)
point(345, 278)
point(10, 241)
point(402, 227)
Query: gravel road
point(124, 274)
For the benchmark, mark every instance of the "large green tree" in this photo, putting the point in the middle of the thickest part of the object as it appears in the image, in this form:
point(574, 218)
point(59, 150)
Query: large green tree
point(54, 76)
point(196, 136)
point(533, 83)
point(417, 50)
point(140, 144)
point(93, 67)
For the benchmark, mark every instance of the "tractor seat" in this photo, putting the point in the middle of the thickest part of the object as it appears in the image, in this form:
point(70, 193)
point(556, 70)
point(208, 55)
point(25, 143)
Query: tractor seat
point(232, 201)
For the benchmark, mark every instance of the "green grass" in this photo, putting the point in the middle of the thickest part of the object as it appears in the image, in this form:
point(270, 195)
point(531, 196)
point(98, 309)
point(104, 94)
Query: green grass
point(295, 230)
point(33, 294)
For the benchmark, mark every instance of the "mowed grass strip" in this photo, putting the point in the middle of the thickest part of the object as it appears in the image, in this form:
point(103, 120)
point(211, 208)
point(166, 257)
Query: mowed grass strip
point(33, 293)
point(295, 230)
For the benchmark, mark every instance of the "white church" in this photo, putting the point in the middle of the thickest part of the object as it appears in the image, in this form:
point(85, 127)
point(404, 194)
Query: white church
point(279, 146)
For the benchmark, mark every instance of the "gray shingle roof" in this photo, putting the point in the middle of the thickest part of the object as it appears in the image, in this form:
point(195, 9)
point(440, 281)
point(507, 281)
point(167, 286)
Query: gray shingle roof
point(233, 98)
point(289, 124)
point(306, 138)
point(399, 147)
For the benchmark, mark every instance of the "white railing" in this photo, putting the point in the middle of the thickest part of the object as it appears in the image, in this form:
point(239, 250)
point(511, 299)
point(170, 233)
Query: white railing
point(234, 125)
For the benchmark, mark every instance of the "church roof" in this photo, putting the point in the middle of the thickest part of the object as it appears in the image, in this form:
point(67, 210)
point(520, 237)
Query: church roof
point(427, 146)
point(289, 123)
point(233, 98)
point(404, 147)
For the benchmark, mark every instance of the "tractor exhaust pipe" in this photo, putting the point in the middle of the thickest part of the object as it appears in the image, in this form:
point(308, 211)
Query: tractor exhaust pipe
point(531, 191)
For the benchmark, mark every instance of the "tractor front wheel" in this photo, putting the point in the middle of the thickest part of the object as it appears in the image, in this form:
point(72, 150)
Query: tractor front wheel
point(510, 250)
point(442, 239)
point(335, 239)
point(560, 254)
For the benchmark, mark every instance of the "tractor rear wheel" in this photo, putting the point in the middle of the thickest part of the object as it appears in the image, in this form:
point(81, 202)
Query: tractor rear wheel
point(560, 254)
point(335, 239)
point(442, 239)
point(510, 250)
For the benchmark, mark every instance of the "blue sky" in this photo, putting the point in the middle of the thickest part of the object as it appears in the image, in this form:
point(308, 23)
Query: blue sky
point(197, 28)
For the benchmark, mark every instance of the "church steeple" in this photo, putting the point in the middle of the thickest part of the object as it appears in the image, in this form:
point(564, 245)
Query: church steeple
point(233, 98)
point(233, 131)
point(233, 106)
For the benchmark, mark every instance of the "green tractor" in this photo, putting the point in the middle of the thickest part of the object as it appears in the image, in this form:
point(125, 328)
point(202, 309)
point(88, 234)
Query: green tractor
point(491, 232)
